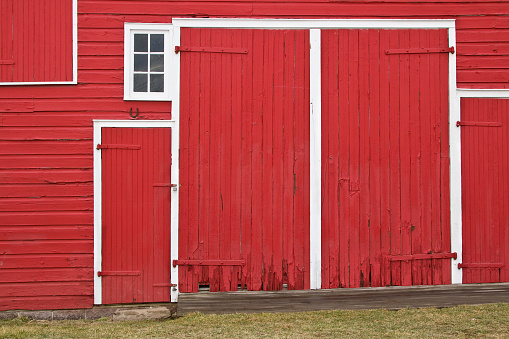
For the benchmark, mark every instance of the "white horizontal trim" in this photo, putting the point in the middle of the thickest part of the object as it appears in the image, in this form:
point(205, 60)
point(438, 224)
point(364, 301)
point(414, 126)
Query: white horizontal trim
point(134, 123)
point(38, 83)
point(483, 93)
point(313, 23)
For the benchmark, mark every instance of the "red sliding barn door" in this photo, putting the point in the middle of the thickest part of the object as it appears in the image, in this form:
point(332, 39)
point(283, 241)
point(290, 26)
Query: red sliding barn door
point(135, 215)
point(485, 189)
point(244, 155)
point(385, 158)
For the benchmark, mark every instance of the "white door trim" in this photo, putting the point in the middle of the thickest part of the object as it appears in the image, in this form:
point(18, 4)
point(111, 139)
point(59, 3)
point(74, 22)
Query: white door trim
point(98, 125)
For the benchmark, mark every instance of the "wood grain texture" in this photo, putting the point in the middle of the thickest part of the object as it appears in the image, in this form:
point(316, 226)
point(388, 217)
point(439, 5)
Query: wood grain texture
point(37, 37)
point(254, 156)
point(385, 148)
point(485, 190)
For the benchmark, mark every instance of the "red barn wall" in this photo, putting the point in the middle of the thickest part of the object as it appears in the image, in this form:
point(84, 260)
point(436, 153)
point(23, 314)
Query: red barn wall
point(46, 189)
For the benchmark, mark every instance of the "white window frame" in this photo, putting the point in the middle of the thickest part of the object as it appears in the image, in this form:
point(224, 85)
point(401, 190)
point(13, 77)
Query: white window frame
point(74, 80)
point(136, 28)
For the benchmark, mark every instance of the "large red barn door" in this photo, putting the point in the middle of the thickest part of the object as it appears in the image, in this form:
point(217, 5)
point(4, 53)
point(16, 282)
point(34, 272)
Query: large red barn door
point(244, 159)
point(485, 189)
point(135, 215)
point(385, 158)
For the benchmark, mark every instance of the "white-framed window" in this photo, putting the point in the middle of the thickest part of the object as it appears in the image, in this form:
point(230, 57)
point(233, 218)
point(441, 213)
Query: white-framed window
point(147, 57)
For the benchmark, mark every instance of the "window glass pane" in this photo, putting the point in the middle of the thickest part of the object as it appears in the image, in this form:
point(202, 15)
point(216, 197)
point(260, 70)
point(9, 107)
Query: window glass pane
point(141, 63)
point(156, 83)
point(140, 83)
point(141, 42)
point(157, 42)
point(157, 62)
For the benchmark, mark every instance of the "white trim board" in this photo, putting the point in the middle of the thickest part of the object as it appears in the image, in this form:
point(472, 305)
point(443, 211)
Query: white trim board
point(98, 125)
point(74, 80)
point(315, 25)
point(483, 93)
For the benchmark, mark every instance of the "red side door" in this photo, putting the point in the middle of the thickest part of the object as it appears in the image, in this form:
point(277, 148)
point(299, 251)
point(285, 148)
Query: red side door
point(485, 189)
point(135, 215)
point(244, 155)
point(385, 153)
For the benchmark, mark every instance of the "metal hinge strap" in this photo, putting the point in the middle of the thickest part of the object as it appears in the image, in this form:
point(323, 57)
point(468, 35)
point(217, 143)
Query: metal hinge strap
point(118, 273)
point(211, 50)
point(478, 124)
point(6, 62)
point(419, 50)
point(481, 265)
point(217, 262)
point(118, 146)
point(423, 256)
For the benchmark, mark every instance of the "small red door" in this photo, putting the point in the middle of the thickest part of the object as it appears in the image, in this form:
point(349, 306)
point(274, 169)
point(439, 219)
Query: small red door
point(485, 189)
point(135, 215)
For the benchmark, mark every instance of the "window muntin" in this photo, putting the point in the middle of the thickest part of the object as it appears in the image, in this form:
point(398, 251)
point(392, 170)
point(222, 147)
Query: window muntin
point(147, 62)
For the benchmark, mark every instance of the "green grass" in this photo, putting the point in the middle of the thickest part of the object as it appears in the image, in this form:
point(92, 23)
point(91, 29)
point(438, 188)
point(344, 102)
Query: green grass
point(457, 322)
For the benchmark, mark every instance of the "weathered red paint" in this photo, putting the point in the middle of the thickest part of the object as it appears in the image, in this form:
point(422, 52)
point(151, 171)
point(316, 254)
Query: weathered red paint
point(46, 140)
point(36, 41)
point(244, 160)
point(381, 159)
point(136, 215)
point(485, 190)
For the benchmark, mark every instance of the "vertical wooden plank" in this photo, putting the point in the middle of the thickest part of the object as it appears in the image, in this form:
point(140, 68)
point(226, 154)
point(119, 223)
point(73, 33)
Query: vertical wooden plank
point(353, 111)
point(375, 179)
point(344, 176)
point(67, 45)
point(435, 185)
point(305, 92)
point(394, 155)
point(205, 159)
point(409, 100)
point(226, 161)
point(364, 159)
point(504, 231)
point(299, 164)
point(385, 147)
point(288, 160)
point(17, 33)
point(425, 230)
point(236, 152)
point(215, 167)
point(333, 161)
point(197, 114)
point(26, 41)
point(247, 149)
point(444, 146)
point(327, 247)
point(29, 57)
point(257, 161)
point(278, 157)
point(186, 205)
point(267, 183)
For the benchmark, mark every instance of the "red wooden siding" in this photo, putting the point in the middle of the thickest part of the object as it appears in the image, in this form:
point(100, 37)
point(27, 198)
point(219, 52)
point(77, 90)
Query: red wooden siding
point(485, 190)
point(36, 40)
point(245, 159)
point(384, 158)
point(136, 215)
point(46, 131)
